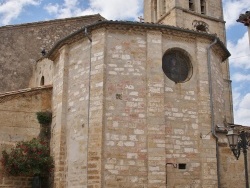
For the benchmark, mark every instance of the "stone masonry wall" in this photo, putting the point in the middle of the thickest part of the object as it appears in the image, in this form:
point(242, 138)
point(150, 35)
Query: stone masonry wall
point(59, 119)
point(213, 8)
point(18, 123)
point(178, 14)
point(96, 109)
point(231, 170)
point(156, 123)
point(140, 136)
point(15, 182)
point(132, 126)
point(126, 140)
point(77, 117)
point(186, 20)
point(21, 47)
point(43, 72)
point(182, 17)
point(188, 122)
point(77, 113)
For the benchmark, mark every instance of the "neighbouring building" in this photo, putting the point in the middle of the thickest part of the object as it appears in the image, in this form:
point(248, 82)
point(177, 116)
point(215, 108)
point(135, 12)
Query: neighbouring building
point(245, 19)
point(134, 104)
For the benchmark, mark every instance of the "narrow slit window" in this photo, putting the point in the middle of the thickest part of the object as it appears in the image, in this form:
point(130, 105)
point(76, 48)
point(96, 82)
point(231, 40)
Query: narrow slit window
point(163, 7)
point(42, 81)
point(191, 5)
point(203, 7)
point(155, 10)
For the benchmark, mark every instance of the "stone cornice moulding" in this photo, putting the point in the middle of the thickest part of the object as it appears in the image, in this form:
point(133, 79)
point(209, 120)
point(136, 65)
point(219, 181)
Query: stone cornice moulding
point(134, 26)
point(191, 12)
point(4, 97)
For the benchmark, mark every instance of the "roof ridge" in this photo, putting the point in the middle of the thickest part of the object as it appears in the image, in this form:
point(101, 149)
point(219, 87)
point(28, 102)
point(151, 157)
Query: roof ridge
point(53, 20)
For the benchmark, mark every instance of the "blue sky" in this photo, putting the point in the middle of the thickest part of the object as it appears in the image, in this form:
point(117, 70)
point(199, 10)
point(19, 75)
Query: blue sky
point(25, 11)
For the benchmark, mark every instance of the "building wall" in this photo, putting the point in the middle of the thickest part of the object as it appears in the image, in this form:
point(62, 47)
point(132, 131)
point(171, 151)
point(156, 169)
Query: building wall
point(151, 121)
point(77, 117)
point(177, 13)
point(96, 108)
point(125, 141)
point(118, 121)
point(231, 170)
point(43, 70)
point(213, 8)
point(19, 123)
point(187, 19)
point(136, 120)
point(21, 47)
point(59, 119)
point(15, 182)
point(187, 110)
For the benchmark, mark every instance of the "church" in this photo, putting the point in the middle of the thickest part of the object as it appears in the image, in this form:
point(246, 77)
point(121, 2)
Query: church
point(134, 104)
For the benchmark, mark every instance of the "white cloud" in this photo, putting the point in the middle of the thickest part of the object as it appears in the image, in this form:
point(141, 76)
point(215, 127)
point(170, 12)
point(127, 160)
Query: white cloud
point(240, 52)
point(239, 60)
point(232, 10)
point(69, 8)
point(117, 9)
point(52, 8)
point(236, 98)
point(239, 77)
point(11, 9)
point(242, 112)
point(110, 9)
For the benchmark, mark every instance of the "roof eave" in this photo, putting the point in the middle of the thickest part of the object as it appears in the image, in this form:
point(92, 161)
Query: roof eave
point(59, 44)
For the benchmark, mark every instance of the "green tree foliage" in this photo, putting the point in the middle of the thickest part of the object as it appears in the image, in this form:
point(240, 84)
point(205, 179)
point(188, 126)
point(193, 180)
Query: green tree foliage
point(44, 118)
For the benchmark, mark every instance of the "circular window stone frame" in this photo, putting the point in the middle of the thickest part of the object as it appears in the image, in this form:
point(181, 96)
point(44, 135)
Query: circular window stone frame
point(176, 65)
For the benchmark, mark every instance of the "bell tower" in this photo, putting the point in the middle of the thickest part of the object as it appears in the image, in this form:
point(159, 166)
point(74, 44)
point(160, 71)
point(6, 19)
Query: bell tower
point(201, 15)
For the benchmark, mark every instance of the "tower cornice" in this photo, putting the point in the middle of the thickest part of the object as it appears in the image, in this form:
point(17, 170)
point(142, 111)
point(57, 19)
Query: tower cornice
point(190, 12)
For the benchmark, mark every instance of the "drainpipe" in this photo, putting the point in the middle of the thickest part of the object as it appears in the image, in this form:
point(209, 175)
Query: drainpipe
point(212, 106)
point(90, 47)
point(87, 34)
point(90, 68)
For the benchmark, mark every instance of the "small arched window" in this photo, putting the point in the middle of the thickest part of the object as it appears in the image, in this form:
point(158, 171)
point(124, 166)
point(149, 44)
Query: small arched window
point(42, 81)
point(163, 7)
point(155, 10)
point(203, 7)
point(191, 5)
